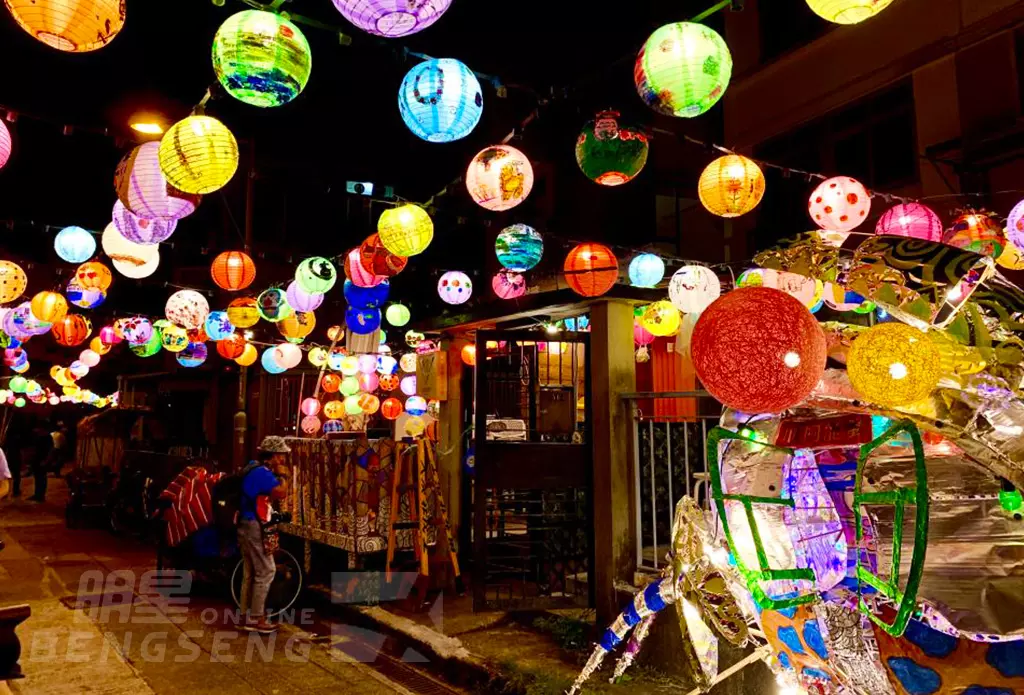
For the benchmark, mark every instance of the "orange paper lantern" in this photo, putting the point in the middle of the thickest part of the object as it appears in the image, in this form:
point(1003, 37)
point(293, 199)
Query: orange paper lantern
point(391, 408)
point(231, 347)
point(94, 276)
point(469, 355)
point(72, 330)
point(591, 269)
point(233, 270)
point(331, 383)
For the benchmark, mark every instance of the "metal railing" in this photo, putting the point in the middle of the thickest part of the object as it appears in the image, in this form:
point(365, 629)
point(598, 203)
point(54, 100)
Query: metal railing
point(669, 460)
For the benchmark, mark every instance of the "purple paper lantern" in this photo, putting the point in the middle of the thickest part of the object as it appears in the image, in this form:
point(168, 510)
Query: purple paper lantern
point(1015, 225)
point(140, 230)
point(911, 220)
point(301, 300)
point(392, 18)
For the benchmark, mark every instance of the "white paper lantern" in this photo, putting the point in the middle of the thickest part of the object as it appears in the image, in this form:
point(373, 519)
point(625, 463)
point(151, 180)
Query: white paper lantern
point(693, 288)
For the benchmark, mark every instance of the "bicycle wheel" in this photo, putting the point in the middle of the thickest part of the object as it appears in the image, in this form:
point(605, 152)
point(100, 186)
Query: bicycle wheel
point(284, 589)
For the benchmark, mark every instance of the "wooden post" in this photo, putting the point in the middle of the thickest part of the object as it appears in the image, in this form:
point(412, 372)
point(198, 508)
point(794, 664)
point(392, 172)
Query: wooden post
point(612, 370)
point(450, 440)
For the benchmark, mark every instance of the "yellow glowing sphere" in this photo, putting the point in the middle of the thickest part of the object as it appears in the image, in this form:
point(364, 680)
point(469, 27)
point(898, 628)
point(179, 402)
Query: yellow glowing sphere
point(415, 426)
point(1012, 258)
point(893, 364)
point(198, 155)
point(731, 186)
point(333, 410)
point(405, 230)
point(75, 26)
point(49, 307)
point(98, 346)
point(847, 11)
point(317, 357)
point(243, 312)
point(661, 319)
point(297, 325)
point(248, 356)
point(13, 281)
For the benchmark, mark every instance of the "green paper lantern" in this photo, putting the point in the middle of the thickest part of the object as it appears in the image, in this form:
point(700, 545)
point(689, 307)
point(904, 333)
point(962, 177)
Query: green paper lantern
point(18, 384)
point(397, 315)
point(272, 305)
point(610, 154)
point(316, 275)
point(261, 58)
point(683, 69)
point(151, 346)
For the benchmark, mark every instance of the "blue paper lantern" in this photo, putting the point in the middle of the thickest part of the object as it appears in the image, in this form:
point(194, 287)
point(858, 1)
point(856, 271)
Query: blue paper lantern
point(218, 325)
point(519, 247)
point(84, 298)
point(192, 356)
point(269, 363)
point(366, 297)
point(646, 270)
point(74, 245)
point(362, 321)
point(333, 427)
point(440, 100)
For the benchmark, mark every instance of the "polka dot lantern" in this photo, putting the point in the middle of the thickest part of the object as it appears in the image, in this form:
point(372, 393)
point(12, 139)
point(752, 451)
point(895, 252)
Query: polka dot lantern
point(272, 304)
point(847, 11)
point(72, 330)
point(92, 276)
point(591, 269)
point(261, 58)
point(377, 260)
point(140, 230)
point(519, 247)
point(758, 350)
point(839, 204)
point(731, 186)
point(187, 308)
point(362, 321)
point(142, 187)
point(392, 18)
point(508, 285)
point(440, 100)
point(977, 232)
point(233, 270)
point(646, 270)
point(660, 319)
point(405, 230)
point(74, 26)
point(499, 178)
point(608, 153)
point(301, 300)
point(243, 312)
point(198, 155)
point(74, 245)
point(316, 274)
point(893, 364)
point(683, 69)
point(398, 315)
point(6, 144)
point(910, 220)
point(693, 288)
point(13, 281)
point(455, 287)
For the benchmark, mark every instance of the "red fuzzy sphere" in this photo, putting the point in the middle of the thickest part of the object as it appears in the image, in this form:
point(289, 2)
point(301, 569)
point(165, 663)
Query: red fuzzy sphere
point(758, 350)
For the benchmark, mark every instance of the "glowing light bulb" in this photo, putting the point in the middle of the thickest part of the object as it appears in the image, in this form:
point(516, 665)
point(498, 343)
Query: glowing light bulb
point(148, 128)
point(898, 370)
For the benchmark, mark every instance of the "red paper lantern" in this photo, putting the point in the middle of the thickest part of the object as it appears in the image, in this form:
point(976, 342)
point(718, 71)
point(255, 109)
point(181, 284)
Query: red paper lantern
point(388, 382)
point(591, 269)
point(231, 347)
point(233, 270)
point(758, 350)
point(331, 383)
point(391, 408)
point(376, 259)
point(72, 330)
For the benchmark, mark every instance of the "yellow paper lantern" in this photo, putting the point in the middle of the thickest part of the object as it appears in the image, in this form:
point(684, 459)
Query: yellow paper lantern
point(98, 346)
point(75, 26)
point(49, 307)
point(198, 155)
point(1012, 258)
point(731, 186)
point(405, 230)
point(243, 312)
point(13, 281)
point(661, 319)
point(847, 11)
point(297, 325)
point(893, 364)
point(334, 410)
point(248, 356)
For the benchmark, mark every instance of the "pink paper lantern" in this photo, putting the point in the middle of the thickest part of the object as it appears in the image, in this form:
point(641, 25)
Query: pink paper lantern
point(310, 424)
point(408, 385)
point(6, 144)
point(911, 220)
point(310, 406)
point(301, 300)
point(368, 382)
point(1014, 224)
point(508, 284)
point(141, 186)
point(641, 336)
point(109, 336)
point(359, 275)
point(141, 230)
point(839, 204)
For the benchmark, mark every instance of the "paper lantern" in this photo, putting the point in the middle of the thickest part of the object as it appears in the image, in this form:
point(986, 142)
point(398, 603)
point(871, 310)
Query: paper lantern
point(120, 249)
point(272, 304)
point(81, 297)
point(93, 276)
point(334, 409)
point(408, 385)
point(310, 424)
point(368, 382)
point(683, 69)
point(297, 325)
point(366, 297)
point(405, 230)
point(508, 285)
point(416, 405)
point(392, 18)
point(233, 270)
point(1015, 225)
point(499, 178)
point(1012, 258)
point(136, 270)
point(386, 364)
point(839, 204)
point(109, 336)
point(6, 144)
point(377, 260)
point(731, 186)
point(642, 336)
point(608, 153)
point(231, 347)
point(137, 330)
point(758, 350)
point(49, 307)
point(187, 308)
point(352, 406)
point(330, 383)
point(243, 312)
point(269, 363)
point(977, 232)
point(142, 187)
point(349, 386)
point(198, 155)
point(218, 325)
point(391, 408)
point(150, 347)
point(301, 300)
point(72, 330)
point(808, 291)
point(359, 275)
point(519, 247)
point(440, 100)
point(412, 338)
point(661, 319)
point(317, 357)
point(139, 230)
point(367, 365)
point(193, 355)
point(398, 315)
point(98, 346)
point(469, 355)
point(261, 58)
point(910, 220)
point(362, 321)
point(13, 281)
point(316, 274)
point(591, 269)
point(455, 287)
point(646, 270)
point(847, 11)
point(288, 355)
point(248, 356)
point(388, 382)
point(408, 363)
point(369, 403)
point(893, 364)
point(74, 26)
point(309, 406)
point(74, 245)
point(335, 358)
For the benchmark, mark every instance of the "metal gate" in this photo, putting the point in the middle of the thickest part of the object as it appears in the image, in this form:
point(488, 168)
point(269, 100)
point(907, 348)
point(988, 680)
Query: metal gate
point(532, 507)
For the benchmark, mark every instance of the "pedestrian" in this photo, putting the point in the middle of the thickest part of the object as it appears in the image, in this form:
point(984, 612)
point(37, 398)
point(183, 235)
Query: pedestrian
point(58, 455)
point(263, 482)
point(42, 444)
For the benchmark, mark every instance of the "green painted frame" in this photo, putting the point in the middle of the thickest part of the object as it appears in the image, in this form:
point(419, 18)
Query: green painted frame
point(764, 572)
point(906, 599)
